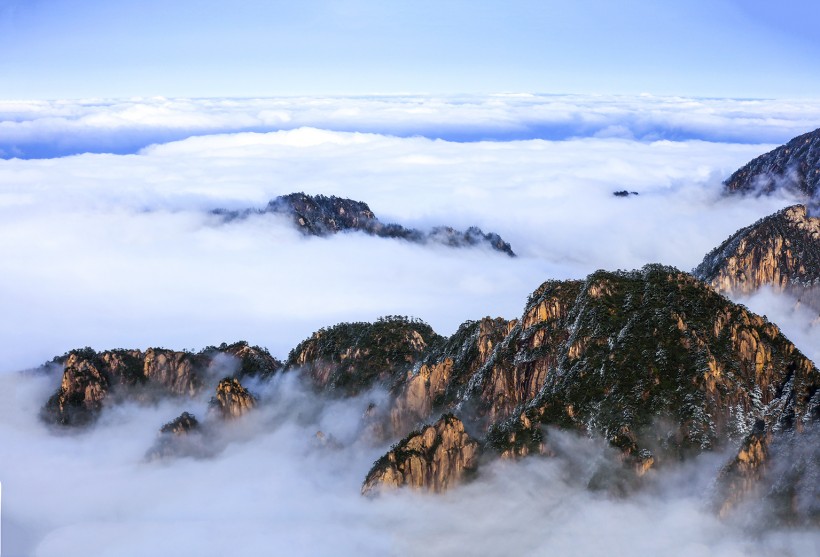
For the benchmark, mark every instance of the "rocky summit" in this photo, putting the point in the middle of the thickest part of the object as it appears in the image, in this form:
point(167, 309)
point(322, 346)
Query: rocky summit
point(231, 400)
point(654, 362)
point(781, 251)
point(795, 165)
point(319, 215)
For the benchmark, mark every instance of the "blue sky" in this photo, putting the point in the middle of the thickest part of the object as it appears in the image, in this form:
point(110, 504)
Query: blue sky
point(120, 48)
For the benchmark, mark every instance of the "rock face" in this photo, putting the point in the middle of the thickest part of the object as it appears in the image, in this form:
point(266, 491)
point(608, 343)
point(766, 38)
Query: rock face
point(253, 361)
point(781, 250)
point(441, 380)
point(92, 379)
point(795, 165)
point(231, 400)
point(318, 215)
point(349, 358)
point(434, 458)
point(181, 425)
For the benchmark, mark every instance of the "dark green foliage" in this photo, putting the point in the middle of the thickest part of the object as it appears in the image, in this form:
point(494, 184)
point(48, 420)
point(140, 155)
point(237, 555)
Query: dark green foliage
point(254, 361)
point(633, 359)
point(355, 356)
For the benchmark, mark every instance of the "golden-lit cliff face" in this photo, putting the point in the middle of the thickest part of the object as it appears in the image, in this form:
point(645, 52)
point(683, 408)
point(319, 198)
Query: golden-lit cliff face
point(781, 251)
point(435, 458)
point(232, 400)
point(93, 379)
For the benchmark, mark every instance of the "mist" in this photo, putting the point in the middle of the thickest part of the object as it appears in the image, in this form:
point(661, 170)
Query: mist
point(274, 489)
point(121, 251)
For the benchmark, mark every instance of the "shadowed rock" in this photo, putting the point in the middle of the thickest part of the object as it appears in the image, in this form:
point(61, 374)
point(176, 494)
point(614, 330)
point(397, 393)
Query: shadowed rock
point(349, 358)
point(318, 215)
point(794, 166)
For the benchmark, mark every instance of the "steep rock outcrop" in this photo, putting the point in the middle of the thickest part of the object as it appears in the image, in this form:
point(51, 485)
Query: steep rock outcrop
point(434, 458)
point(93, 379)
point(781, 250)
point(231, 400)
point(795, 165)
point(253, 361)
point(176, 372)
point(318, 215)
point(349, 358)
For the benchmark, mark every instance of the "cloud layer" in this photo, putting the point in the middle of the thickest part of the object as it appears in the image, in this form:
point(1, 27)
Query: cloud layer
point(42, 129)
point(115, 250)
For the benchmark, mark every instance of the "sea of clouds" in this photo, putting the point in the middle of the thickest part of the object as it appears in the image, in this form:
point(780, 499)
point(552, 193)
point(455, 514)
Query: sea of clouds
point(120, 250)
point(44, 129)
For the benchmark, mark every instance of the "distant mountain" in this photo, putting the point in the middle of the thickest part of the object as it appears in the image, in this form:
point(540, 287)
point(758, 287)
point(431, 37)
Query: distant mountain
point(654, 362)
point(781, 250)
point(318, 215)
point(795, 165)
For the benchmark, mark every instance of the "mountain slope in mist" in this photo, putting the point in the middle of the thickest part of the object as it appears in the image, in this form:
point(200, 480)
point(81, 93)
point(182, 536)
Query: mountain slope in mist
point(795, 165)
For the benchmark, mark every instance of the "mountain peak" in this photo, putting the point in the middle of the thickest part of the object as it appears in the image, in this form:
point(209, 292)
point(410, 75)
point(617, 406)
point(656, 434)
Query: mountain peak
point(795, 165)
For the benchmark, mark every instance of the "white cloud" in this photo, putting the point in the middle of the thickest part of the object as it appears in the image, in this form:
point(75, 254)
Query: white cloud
point(115, 250)
point(50, 128)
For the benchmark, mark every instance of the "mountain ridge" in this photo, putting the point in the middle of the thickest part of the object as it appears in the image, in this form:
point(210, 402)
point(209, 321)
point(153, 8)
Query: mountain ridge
point(319, 215)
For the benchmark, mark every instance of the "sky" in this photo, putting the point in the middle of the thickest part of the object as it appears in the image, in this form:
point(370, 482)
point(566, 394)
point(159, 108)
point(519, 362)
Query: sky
point(57, 49)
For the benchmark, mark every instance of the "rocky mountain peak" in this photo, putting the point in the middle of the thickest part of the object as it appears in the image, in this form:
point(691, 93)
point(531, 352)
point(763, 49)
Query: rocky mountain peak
point(781, 250)
point(231, 400)
point(183, 424)
point(349, 358)
point(92, 379)
point(795, 165)
point(433, 458)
